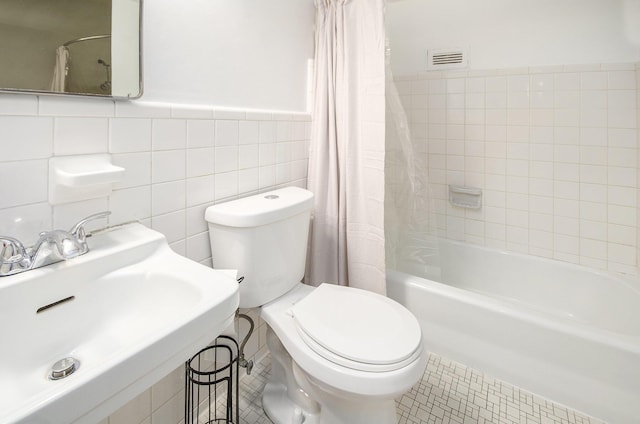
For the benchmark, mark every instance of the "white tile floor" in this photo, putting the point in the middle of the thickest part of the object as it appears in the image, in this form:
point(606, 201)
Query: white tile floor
point(448, 393)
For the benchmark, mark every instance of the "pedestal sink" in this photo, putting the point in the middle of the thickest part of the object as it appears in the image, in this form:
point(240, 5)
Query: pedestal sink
point(129, 311)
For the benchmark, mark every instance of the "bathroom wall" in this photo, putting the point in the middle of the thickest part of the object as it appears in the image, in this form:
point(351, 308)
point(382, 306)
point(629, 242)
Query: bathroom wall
point(506, 34)
point(543, 119)
point(554, 149)
point(178, 160)
point(241, 53)
point(223, 116)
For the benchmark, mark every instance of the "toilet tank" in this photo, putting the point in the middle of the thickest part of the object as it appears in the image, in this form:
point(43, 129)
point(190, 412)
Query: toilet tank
point(264, 237)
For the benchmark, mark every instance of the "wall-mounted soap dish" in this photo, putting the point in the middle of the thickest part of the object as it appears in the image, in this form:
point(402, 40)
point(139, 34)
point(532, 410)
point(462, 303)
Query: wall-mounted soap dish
point(75, 178)
point(465, 197)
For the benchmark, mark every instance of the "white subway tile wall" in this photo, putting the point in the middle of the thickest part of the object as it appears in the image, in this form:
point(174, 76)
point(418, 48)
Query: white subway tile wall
point(554, 149)
point(178, 159)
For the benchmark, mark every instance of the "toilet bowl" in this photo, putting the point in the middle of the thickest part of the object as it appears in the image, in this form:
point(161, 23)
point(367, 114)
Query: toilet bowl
point(352, 371)
point(340, 355)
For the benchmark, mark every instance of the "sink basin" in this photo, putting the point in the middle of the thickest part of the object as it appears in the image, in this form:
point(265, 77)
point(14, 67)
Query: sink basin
point(134, 311)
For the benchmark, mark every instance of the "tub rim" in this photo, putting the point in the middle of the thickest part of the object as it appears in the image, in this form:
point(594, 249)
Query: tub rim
point(624, 341)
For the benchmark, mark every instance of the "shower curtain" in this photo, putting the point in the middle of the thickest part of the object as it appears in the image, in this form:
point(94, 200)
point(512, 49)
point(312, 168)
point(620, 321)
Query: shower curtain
point(346, 163)
point(60, 70)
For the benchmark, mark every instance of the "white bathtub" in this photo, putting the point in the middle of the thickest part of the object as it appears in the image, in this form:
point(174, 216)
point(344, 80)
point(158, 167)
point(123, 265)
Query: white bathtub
point(561, 331)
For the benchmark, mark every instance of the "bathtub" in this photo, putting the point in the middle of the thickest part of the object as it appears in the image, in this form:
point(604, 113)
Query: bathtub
point(563, 332)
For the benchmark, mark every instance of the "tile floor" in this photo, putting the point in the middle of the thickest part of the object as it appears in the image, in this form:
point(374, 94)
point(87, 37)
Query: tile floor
point(448, 393)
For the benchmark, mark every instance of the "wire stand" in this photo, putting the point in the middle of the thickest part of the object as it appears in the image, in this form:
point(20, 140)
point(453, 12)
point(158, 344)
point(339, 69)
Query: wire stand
point(211, 379)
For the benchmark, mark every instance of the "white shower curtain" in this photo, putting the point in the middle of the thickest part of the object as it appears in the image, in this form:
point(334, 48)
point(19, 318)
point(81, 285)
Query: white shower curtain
point(59, 78)
point(346, 163)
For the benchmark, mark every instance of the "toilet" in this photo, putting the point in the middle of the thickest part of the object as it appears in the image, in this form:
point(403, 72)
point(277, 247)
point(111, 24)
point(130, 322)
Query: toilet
point(340, 355)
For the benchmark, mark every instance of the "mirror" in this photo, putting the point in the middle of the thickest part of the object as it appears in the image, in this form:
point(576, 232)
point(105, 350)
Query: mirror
point(86, 47)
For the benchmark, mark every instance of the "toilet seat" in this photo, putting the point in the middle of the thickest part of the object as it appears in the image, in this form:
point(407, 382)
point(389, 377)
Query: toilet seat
point(357, 329)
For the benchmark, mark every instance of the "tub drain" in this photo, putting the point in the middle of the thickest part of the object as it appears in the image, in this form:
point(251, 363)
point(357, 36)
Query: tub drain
point(64, 368)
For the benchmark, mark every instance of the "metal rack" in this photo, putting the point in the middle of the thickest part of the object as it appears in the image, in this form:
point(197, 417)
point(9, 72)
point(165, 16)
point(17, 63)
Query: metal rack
point(211, 384)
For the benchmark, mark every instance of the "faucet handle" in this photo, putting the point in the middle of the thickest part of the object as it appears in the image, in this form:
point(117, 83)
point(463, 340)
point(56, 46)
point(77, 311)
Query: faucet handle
point(13, 252)
point(79, 231)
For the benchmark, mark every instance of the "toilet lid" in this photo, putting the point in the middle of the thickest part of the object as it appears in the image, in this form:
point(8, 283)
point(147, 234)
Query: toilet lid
point(357, 328)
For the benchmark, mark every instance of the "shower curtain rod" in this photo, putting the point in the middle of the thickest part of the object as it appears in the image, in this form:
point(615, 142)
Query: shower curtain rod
point(77, 40)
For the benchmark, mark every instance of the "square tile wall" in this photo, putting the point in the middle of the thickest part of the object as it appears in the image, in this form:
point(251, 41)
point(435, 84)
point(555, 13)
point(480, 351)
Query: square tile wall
point(178, 159)
point(554, 149)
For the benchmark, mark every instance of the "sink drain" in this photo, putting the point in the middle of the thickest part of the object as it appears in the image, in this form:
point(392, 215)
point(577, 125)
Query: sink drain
point(64, 368)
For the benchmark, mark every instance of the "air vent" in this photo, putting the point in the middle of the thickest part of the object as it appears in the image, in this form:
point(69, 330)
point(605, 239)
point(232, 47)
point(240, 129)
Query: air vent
point(446, 59)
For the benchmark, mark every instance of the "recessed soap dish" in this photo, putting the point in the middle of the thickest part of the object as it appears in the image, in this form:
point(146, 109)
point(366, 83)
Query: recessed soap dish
point(74, 178)
point(465, 197)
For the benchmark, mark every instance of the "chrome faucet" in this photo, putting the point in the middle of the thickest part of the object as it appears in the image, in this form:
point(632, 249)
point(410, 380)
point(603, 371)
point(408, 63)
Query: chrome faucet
point(13, 256)
point(52, 246)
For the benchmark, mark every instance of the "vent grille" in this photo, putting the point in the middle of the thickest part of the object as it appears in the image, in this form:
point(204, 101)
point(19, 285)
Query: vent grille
point(446, 59)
